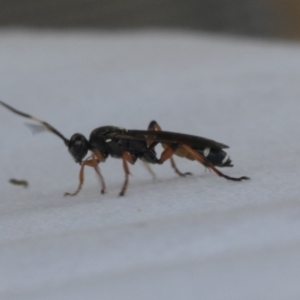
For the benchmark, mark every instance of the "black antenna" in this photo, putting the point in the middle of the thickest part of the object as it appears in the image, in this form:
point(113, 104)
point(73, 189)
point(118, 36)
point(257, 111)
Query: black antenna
point(45, 124)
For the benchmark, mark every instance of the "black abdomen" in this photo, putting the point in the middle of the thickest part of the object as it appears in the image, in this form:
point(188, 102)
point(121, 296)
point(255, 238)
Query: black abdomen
point(217, 157)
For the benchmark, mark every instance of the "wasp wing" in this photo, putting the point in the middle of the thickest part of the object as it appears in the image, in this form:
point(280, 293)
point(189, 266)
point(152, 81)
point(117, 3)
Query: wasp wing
point(167, 137)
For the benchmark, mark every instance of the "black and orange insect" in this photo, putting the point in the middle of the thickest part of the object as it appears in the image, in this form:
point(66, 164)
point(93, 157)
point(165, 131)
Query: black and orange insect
point(130, 145)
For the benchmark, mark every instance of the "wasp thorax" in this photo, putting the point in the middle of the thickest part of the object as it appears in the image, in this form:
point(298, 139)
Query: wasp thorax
point(78, 147)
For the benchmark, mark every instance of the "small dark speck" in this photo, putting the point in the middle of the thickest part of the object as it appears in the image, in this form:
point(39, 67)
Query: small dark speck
point(19, 182)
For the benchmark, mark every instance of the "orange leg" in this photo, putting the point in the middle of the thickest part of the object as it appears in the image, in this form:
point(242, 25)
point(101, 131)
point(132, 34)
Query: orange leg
point(91, 162)
point(177, 171)
point(202, 160)
point(167, 153)
point(155, 126)
point(101, 179)
point(99, 157)
point(126, 157)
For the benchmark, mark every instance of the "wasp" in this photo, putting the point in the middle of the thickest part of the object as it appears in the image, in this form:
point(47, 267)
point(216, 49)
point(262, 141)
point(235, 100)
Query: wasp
point(131, 145)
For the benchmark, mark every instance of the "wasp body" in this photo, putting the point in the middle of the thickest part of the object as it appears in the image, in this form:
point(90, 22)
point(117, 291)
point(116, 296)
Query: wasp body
point(130, 145)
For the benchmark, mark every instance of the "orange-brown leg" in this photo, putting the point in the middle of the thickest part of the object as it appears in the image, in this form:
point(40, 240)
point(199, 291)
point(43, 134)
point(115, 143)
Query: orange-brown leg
point(177, 171)
point(99, 157)
point(202, 160)
point(155, 126)
point(101, 178)
point(126, 157)
point(152, 126)
point(167, 153)
point(91, 162)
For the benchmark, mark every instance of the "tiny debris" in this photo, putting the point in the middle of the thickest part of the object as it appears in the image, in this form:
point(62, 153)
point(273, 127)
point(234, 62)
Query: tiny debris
point(19, 182)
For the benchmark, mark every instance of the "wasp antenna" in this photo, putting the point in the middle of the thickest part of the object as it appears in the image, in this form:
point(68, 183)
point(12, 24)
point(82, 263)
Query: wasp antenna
point(45, 124)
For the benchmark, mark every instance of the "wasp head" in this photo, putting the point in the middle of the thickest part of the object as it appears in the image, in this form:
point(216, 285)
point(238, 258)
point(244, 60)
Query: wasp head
point(78, 147)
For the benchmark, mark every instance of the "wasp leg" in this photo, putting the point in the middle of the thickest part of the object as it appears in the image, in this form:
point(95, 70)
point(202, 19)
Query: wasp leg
point(167, 153)
point(91, 162)
point(151, 144)
point(155, 126)
point(202, 160)
point(177, 171)
point(101, 178)
point(88, 162)
point(99, 157)
point(126, 157)
point(149, 169)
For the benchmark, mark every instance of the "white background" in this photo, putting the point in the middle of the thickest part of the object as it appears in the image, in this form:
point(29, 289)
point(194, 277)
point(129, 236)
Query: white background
point(200, 237)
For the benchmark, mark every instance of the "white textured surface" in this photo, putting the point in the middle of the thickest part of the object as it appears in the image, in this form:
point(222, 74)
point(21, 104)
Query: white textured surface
point(200, 237)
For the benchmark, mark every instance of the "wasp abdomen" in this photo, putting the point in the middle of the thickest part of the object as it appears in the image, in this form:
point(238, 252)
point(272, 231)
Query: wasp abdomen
point(217, 157)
